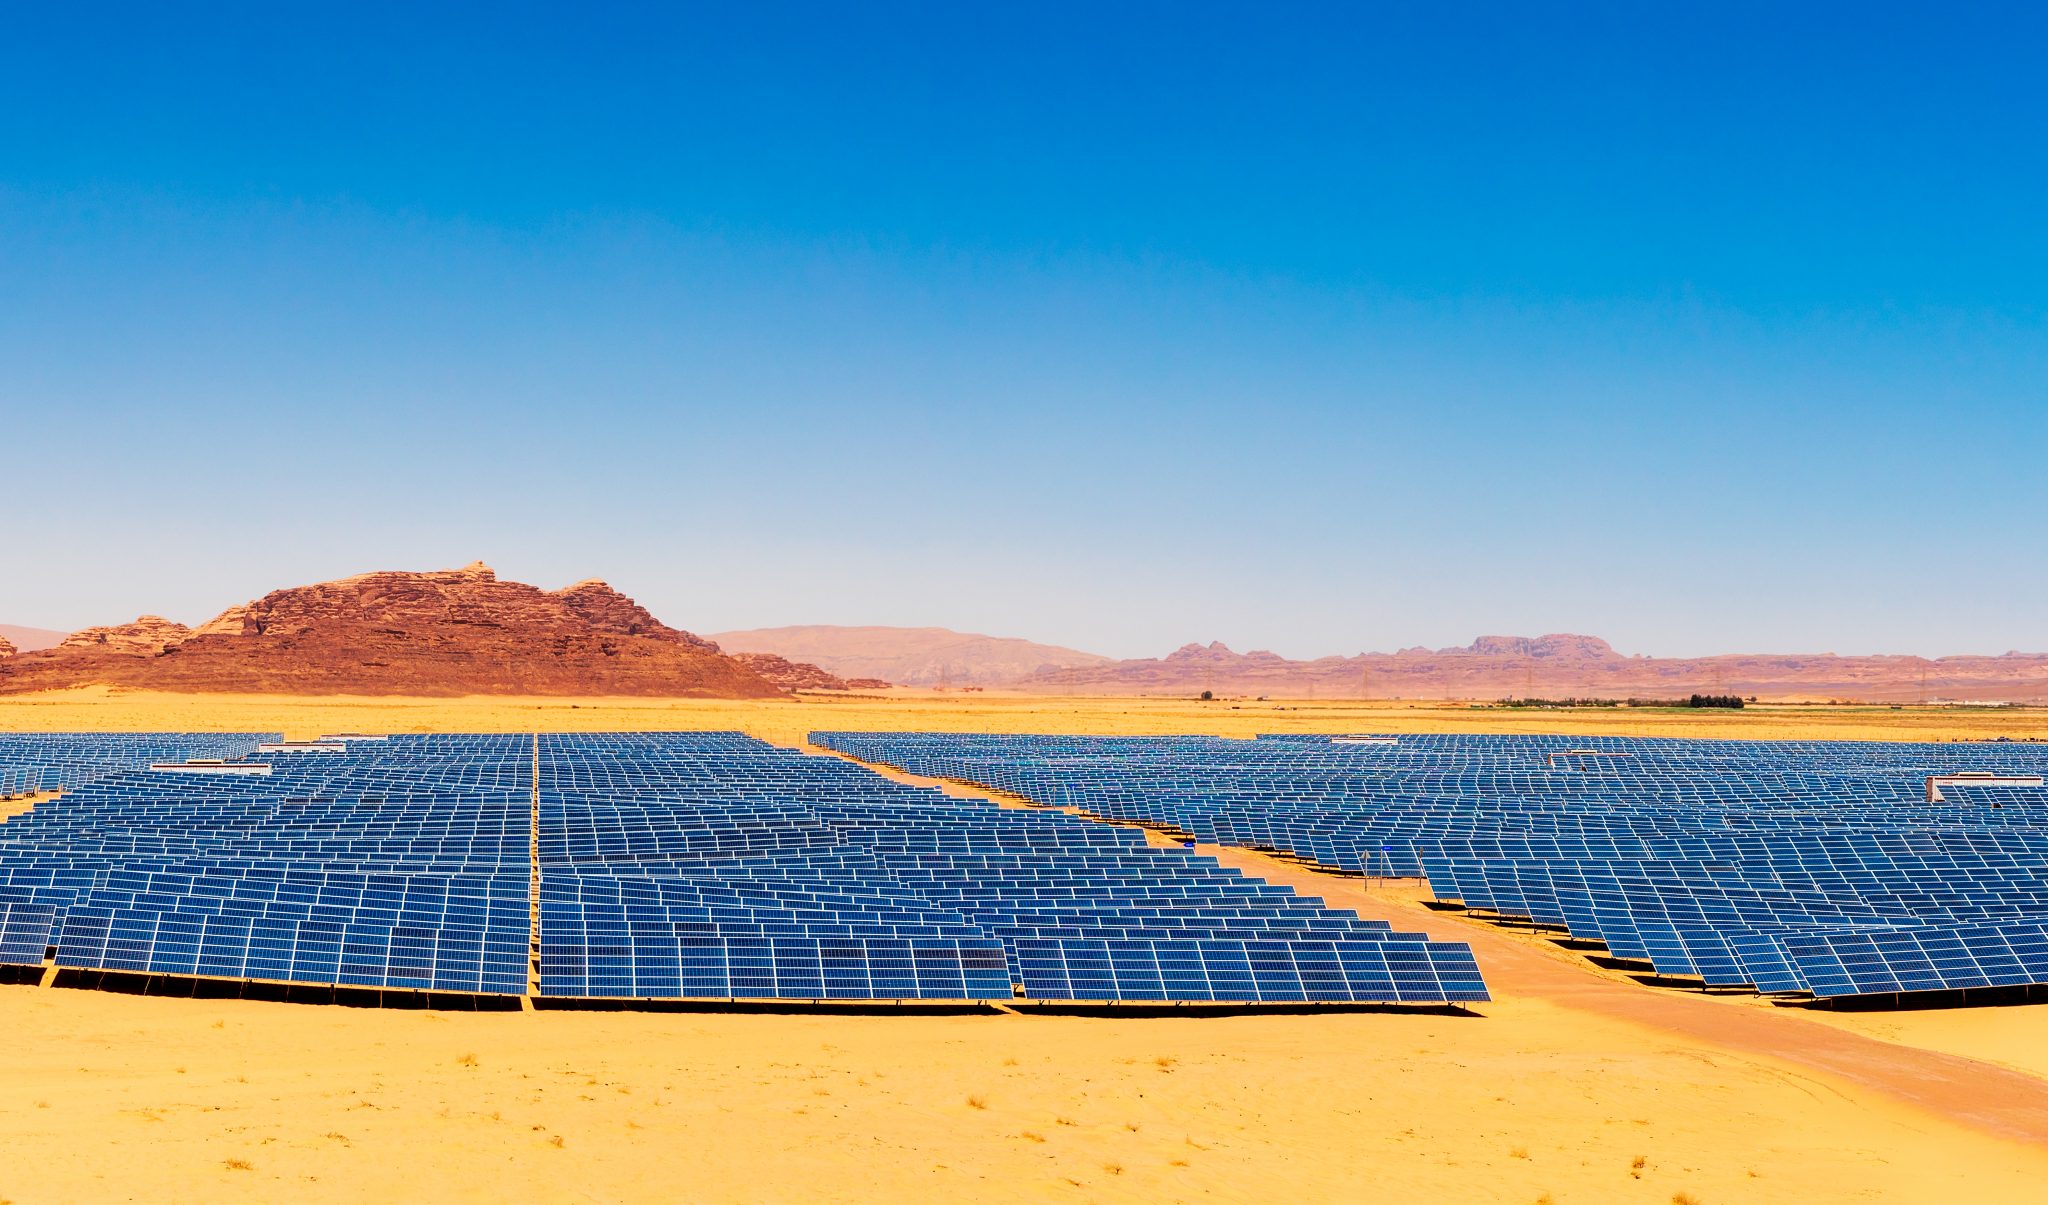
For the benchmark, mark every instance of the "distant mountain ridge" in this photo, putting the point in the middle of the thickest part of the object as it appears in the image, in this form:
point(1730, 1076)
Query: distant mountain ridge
point(463, 631)
point(449, 632)
point(1553, 666)
point(910, 656)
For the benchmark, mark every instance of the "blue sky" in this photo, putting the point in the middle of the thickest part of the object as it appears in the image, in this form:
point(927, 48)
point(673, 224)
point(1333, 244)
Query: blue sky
point(1312, 328)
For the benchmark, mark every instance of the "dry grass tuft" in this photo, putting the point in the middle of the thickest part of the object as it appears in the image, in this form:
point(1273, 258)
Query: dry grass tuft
point(976, 1102)
point(238, 1165)
point(467, 1060)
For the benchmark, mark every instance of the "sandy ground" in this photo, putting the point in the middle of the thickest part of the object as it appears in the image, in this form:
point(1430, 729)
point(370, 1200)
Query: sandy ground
point(787, 720)
point(1562, 1089)
point(118, 1097)
point(2014, 1036)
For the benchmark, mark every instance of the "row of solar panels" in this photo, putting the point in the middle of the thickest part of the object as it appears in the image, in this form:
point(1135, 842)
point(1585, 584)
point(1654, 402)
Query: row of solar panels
point(32, 762)
point(673, 866)
point(1784, 866)
point(665, 854)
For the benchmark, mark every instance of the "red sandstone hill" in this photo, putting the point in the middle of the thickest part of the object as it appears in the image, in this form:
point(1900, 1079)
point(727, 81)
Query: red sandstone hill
point(452, 632)
point(1555, 666)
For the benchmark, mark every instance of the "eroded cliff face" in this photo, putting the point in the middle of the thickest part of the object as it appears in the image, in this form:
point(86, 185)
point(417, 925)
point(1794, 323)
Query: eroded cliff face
point(147, 636)
point(450, 632)
point(798, 675)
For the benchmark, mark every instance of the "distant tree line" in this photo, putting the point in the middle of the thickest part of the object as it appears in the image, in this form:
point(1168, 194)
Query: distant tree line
point(1731, 702)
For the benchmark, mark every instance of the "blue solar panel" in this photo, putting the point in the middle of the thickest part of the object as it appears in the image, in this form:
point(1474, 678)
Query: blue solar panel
point(670, 866)
point(25, 932)
point(664, 857)
point(1739, 863)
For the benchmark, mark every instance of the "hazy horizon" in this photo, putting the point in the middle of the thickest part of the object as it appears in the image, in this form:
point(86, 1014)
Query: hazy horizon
point(1156, 652)
point(1301, 330)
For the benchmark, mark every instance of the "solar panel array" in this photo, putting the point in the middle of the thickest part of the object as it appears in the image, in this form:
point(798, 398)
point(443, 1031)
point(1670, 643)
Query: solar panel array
point(715, 865)
point(400, 865)
point(34, 762)
point(1794, 867)
point(655, 866)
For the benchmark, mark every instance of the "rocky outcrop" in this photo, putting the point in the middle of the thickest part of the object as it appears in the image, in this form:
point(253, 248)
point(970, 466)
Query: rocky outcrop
point(790, 675)
point(607, 610)
point(451, 632)
point(147, 636)
point(6, 647)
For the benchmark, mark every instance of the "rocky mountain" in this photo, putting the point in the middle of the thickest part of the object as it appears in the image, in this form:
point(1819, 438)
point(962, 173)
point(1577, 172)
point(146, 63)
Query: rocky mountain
point(451, 632)
point(1556, 666)
point(7, 648)
point(800, 675)
point(910, 656)
point(28, 640)
point(146, 637)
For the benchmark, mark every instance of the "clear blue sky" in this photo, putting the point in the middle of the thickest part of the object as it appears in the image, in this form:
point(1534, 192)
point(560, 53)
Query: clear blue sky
point(1319, 328)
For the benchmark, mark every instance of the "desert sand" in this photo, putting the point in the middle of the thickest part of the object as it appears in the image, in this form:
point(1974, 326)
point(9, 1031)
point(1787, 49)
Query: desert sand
point(787, 719)
point(1575, 1084)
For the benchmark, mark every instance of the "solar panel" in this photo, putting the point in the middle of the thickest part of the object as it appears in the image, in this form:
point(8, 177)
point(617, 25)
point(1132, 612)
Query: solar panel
point(684, 866)
point(1737, 863)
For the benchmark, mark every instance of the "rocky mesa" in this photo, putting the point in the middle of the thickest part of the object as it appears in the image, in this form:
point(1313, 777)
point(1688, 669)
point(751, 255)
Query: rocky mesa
point(450, 632)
